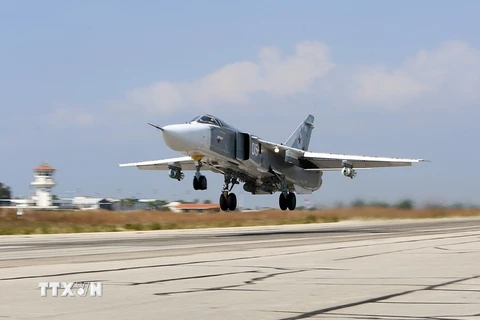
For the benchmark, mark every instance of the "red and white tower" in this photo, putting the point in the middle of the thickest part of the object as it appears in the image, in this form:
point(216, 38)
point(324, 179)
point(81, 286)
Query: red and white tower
point(43, 183)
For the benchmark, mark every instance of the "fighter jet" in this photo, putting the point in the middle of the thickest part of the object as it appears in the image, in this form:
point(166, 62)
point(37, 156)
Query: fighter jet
point(262, 166)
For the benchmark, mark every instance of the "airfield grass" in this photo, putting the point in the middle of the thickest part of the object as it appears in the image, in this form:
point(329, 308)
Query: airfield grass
point(33, 222)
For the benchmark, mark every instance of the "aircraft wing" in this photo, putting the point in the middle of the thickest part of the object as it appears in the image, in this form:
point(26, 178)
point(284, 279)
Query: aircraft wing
point(335, 161)
point(185, 163)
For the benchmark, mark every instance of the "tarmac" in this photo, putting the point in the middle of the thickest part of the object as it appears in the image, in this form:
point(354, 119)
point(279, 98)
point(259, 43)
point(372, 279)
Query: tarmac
point(396, 269)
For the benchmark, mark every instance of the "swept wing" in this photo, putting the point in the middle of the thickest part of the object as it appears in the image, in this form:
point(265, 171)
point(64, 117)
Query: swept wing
point(185, 163)
point(336, 161)
point(333, 162)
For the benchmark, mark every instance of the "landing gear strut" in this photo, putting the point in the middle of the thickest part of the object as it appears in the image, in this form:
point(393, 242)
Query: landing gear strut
point(199, 181)
point(228, 201)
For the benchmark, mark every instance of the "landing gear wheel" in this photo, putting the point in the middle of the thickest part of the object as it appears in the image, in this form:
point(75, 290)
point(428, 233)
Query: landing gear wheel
point(196, 184)
point(223, 203)
point(232, 201)
point(291, 201)
point(202, 183)
point(282, 201)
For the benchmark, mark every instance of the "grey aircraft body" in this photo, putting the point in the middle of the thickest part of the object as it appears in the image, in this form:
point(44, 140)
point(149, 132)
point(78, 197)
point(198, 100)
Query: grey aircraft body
point(264, 167)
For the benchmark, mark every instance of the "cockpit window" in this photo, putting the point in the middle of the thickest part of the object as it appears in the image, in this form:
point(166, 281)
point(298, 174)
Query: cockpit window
point(209, 120)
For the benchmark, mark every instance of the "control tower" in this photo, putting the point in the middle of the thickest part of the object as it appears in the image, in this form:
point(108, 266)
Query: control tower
point(43, 183)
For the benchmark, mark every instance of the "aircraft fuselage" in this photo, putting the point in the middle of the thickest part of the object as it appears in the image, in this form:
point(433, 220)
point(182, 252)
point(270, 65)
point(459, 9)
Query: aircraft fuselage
point(242, 153)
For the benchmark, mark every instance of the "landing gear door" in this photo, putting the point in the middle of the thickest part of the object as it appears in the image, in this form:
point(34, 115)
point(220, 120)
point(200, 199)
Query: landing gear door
point(243, 146)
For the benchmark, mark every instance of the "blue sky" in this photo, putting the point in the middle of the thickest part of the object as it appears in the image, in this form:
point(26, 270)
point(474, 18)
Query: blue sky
point(390, 78)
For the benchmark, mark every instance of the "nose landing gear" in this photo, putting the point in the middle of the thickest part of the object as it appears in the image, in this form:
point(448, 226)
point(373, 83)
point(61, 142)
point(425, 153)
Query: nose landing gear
point(199, 181)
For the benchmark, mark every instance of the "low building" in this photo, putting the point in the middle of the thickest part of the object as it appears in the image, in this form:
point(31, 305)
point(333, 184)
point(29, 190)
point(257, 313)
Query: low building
point(63, 204)
point(30, 203)
point(86, 203)
point(130, 204)
point(6, 203)
point(106, 204)
point(193, 207)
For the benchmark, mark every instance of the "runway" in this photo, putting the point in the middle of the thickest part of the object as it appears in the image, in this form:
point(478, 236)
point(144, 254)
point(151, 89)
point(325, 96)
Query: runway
point(399, 269)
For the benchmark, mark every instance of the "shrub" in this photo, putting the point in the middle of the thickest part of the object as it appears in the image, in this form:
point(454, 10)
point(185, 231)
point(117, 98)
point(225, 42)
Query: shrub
point(405, 204)
point(358, 203)
point(379, 204)
point(134, 226)
point(155, 226)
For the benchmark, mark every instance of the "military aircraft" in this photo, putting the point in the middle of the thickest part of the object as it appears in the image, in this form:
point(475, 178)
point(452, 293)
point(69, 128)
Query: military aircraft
point(264, 167)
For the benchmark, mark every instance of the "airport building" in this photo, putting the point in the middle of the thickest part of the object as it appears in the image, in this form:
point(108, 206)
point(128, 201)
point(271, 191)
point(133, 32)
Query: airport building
point(42, 199)
point(43, 184)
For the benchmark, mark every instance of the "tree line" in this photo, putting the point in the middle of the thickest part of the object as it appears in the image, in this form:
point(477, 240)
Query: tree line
point(5, 192)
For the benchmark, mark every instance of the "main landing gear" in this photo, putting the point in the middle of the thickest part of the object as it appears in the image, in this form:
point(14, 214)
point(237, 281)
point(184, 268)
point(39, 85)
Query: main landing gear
point(228, 201)
point(286, 200)
point(199, 181)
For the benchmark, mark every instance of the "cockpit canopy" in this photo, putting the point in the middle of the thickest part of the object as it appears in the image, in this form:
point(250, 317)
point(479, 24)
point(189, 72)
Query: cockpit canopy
point(209, 119)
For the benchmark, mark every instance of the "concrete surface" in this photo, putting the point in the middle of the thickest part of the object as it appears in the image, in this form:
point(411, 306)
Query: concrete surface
point(428, 269)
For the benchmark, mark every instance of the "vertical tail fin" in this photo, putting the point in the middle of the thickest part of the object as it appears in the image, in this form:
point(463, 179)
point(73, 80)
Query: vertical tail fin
point(300, 138)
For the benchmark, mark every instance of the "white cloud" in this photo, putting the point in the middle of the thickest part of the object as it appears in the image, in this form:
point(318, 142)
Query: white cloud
point(450, 72)
point(378, 86)
point(158, 96)
point(70, 117)
point(447, 73)
point(271, 74)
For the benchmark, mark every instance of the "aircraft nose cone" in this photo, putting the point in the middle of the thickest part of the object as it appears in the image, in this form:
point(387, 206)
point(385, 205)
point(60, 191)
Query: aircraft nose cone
point(186, 137)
